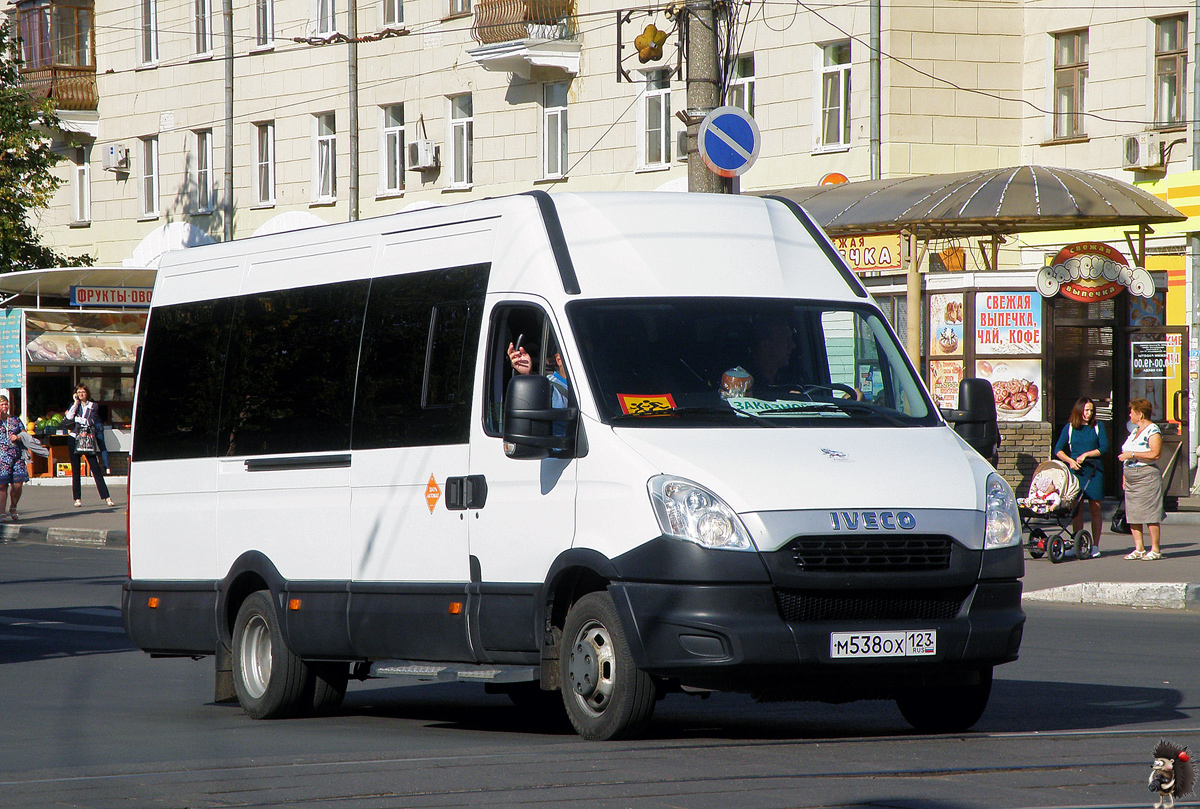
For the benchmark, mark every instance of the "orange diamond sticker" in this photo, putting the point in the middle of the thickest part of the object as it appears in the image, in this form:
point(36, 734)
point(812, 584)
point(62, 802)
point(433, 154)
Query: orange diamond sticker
point(432, 493)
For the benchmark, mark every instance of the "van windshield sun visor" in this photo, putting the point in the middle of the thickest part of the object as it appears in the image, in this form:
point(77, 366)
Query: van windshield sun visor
point(558, 241)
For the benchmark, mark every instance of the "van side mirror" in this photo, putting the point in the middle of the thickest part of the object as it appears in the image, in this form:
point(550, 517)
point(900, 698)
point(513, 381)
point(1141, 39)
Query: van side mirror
point(975, 420)
point(529, 420)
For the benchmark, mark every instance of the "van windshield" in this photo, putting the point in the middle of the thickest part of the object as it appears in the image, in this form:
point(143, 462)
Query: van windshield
point(754, 362)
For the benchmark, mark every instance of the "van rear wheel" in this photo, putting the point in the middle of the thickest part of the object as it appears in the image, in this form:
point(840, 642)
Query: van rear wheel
point(606, 696)
point(269, 679)
point(946, 709)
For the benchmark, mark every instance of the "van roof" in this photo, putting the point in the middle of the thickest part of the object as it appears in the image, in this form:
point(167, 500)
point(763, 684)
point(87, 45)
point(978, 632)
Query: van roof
point(560, 246)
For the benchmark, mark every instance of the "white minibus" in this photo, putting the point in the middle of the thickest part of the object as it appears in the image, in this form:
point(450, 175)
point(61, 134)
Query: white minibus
point(585, 449)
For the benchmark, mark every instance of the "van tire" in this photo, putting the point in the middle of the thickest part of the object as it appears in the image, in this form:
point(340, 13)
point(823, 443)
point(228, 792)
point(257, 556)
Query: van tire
point(270, 680)
point(946, 709)
point(606, 695)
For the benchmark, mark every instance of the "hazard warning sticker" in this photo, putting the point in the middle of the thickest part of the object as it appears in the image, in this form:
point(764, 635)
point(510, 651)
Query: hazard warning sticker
point(433, 493)
point(645, 405)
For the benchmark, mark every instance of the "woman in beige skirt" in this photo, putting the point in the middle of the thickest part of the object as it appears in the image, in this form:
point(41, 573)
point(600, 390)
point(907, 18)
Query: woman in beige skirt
point(1142, 481)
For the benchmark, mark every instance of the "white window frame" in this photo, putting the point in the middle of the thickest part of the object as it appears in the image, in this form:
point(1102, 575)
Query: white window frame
point(458, 7)
point(148, 188)
point(740, 92)
point(148, 44)
point(393, 13)
point(655, 104)
point(325, 158)
point(264, 24)
point(839, 75)
point(1170, 73)
point(206, 191)
point(81, 193)
point(554, 131)
point(1069, 124)
point(202, 24)
point(264, 163)
point(326, 17)
point(461, 139)
point(391, 149)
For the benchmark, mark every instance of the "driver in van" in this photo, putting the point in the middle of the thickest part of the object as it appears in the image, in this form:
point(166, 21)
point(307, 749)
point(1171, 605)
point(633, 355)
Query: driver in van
point(770, 352)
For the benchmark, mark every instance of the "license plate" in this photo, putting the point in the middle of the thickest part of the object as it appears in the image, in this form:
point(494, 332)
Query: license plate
point(905, 643)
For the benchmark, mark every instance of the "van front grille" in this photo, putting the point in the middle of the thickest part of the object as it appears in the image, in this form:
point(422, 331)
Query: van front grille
point(870, 605)
point(881, 553)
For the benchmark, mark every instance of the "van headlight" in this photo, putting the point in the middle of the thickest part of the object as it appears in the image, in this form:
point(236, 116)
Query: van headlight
point(687, 510)
point(1003, 518)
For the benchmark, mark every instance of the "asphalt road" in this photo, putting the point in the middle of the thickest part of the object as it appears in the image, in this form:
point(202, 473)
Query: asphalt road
point(89, 722)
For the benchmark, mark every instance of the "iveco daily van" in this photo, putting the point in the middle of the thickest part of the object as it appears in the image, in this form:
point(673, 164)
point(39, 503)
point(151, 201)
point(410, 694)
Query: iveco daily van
point(590, 447)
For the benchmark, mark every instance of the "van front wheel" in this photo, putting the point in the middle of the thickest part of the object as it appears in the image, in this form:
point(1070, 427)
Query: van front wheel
point(269, 679)
point(946, 709)
point(606, 696)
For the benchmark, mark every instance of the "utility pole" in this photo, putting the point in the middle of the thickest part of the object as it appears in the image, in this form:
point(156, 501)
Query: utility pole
point(352, 65)
point(876, 92)
point(703, 89)
point(228, 26)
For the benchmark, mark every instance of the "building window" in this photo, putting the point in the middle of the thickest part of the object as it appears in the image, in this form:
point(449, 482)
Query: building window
point(264, 22)
point(460, 7)
point(835, 95)
point(392, 159)
point(204, 33)
point(205, 189)
point(149, 183)
point(655, 125)
point(462, 138)
point(149, 32)
point(264, 163)
point(58, 33)
point(1170, 70)
point(393, 12)
point(326, 17)
point(1070, 81)
point(81, 193)
point(741, 84)
point(554, 128)
point(325, 158)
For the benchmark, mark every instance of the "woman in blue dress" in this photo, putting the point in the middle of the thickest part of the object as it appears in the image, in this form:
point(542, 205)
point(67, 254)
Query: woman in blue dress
point(13, 472)
point(1082, 446)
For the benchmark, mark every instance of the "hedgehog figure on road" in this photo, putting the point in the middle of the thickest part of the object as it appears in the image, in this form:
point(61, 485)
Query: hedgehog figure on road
point(1172, 774)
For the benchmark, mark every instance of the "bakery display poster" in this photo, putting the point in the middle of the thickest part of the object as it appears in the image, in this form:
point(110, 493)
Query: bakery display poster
point(946, 325)
point(1017, 386)
point(944, 379)
point(1008, 323)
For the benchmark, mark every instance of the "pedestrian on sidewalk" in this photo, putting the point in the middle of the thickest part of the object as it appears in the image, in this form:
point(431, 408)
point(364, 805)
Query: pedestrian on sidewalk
point(1082, 446)
point(1142, 481)
point(13, 472)
point(83, 420)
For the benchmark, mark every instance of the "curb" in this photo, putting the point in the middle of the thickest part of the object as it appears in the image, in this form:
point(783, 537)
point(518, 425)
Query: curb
point(1172, 596)
point(89, 537)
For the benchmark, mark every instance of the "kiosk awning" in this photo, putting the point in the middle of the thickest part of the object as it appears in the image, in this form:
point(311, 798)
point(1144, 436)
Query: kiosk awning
point(57, 282)
point(1021, 199)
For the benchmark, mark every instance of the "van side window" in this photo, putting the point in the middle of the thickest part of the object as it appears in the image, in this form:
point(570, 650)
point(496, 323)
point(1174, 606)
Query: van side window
point(417, 366)
point(182, 367)
point(289, 381)
point(529, 327)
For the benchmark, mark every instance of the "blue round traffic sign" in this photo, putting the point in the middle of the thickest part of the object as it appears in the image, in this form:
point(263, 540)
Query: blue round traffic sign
point(728, 141)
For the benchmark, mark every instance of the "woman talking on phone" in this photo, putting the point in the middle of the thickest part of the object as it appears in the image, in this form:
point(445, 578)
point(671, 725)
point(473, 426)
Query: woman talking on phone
point(83, 425)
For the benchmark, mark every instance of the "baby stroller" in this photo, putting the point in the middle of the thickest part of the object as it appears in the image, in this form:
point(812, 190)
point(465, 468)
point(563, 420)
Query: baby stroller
point(1050, 509)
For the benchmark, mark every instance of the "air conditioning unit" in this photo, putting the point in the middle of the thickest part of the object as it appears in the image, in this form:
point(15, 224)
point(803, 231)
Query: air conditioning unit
point(1142, 151)
point(422, 155)
point(681, 153)
point(115, 157)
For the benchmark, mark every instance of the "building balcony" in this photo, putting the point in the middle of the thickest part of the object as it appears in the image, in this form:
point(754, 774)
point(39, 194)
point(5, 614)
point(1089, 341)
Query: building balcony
point(519, 36)
point(71, 88)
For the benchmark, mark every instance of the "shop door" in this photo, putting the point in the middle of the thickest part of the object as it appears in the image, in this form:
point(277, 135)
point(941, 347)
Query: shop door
point(1083, 366)
point(1158, 373)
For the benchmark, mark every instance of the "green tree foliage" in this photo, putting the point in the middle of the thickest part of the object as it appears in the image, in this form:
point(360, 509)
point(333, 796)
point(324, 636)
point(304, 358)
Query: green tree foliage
point(27, 181)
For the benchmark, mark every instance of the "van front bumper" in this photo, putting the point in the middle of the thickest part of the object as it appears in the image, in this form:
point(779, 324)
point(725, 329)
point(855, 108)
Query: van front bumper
point(736, 637)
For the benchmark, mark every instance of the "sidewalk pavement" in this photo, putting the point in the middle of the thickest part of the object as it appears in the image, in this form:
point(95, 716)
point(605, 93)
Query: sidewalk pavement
point(46, 515)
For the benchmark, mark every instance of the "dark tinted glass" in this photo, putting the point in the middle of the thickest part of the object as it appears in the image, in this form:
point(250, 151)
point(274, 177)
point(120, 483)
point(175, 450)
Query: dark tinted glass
point(179, 390)
point(289, 384)
point(418, 358)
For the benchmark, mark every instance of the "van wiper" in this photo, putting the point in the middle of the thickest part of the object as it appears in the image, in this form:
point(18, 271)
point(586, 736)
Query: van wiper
point(688, 412)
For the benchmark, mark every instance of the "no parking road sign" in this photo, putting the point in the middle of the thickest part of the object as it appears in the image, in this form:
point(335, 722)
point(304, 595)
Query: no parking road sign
point(728, 141)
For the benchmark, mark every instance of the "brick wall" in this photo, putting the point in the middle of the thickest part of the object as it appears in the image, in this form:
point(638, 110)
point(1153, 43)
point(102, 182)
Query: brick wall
point(1023, 445)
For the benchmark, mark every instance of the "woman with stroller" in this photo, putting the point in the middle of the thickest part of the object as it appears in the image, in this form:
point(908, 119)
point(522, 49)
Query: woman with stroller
point(1082, 446)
